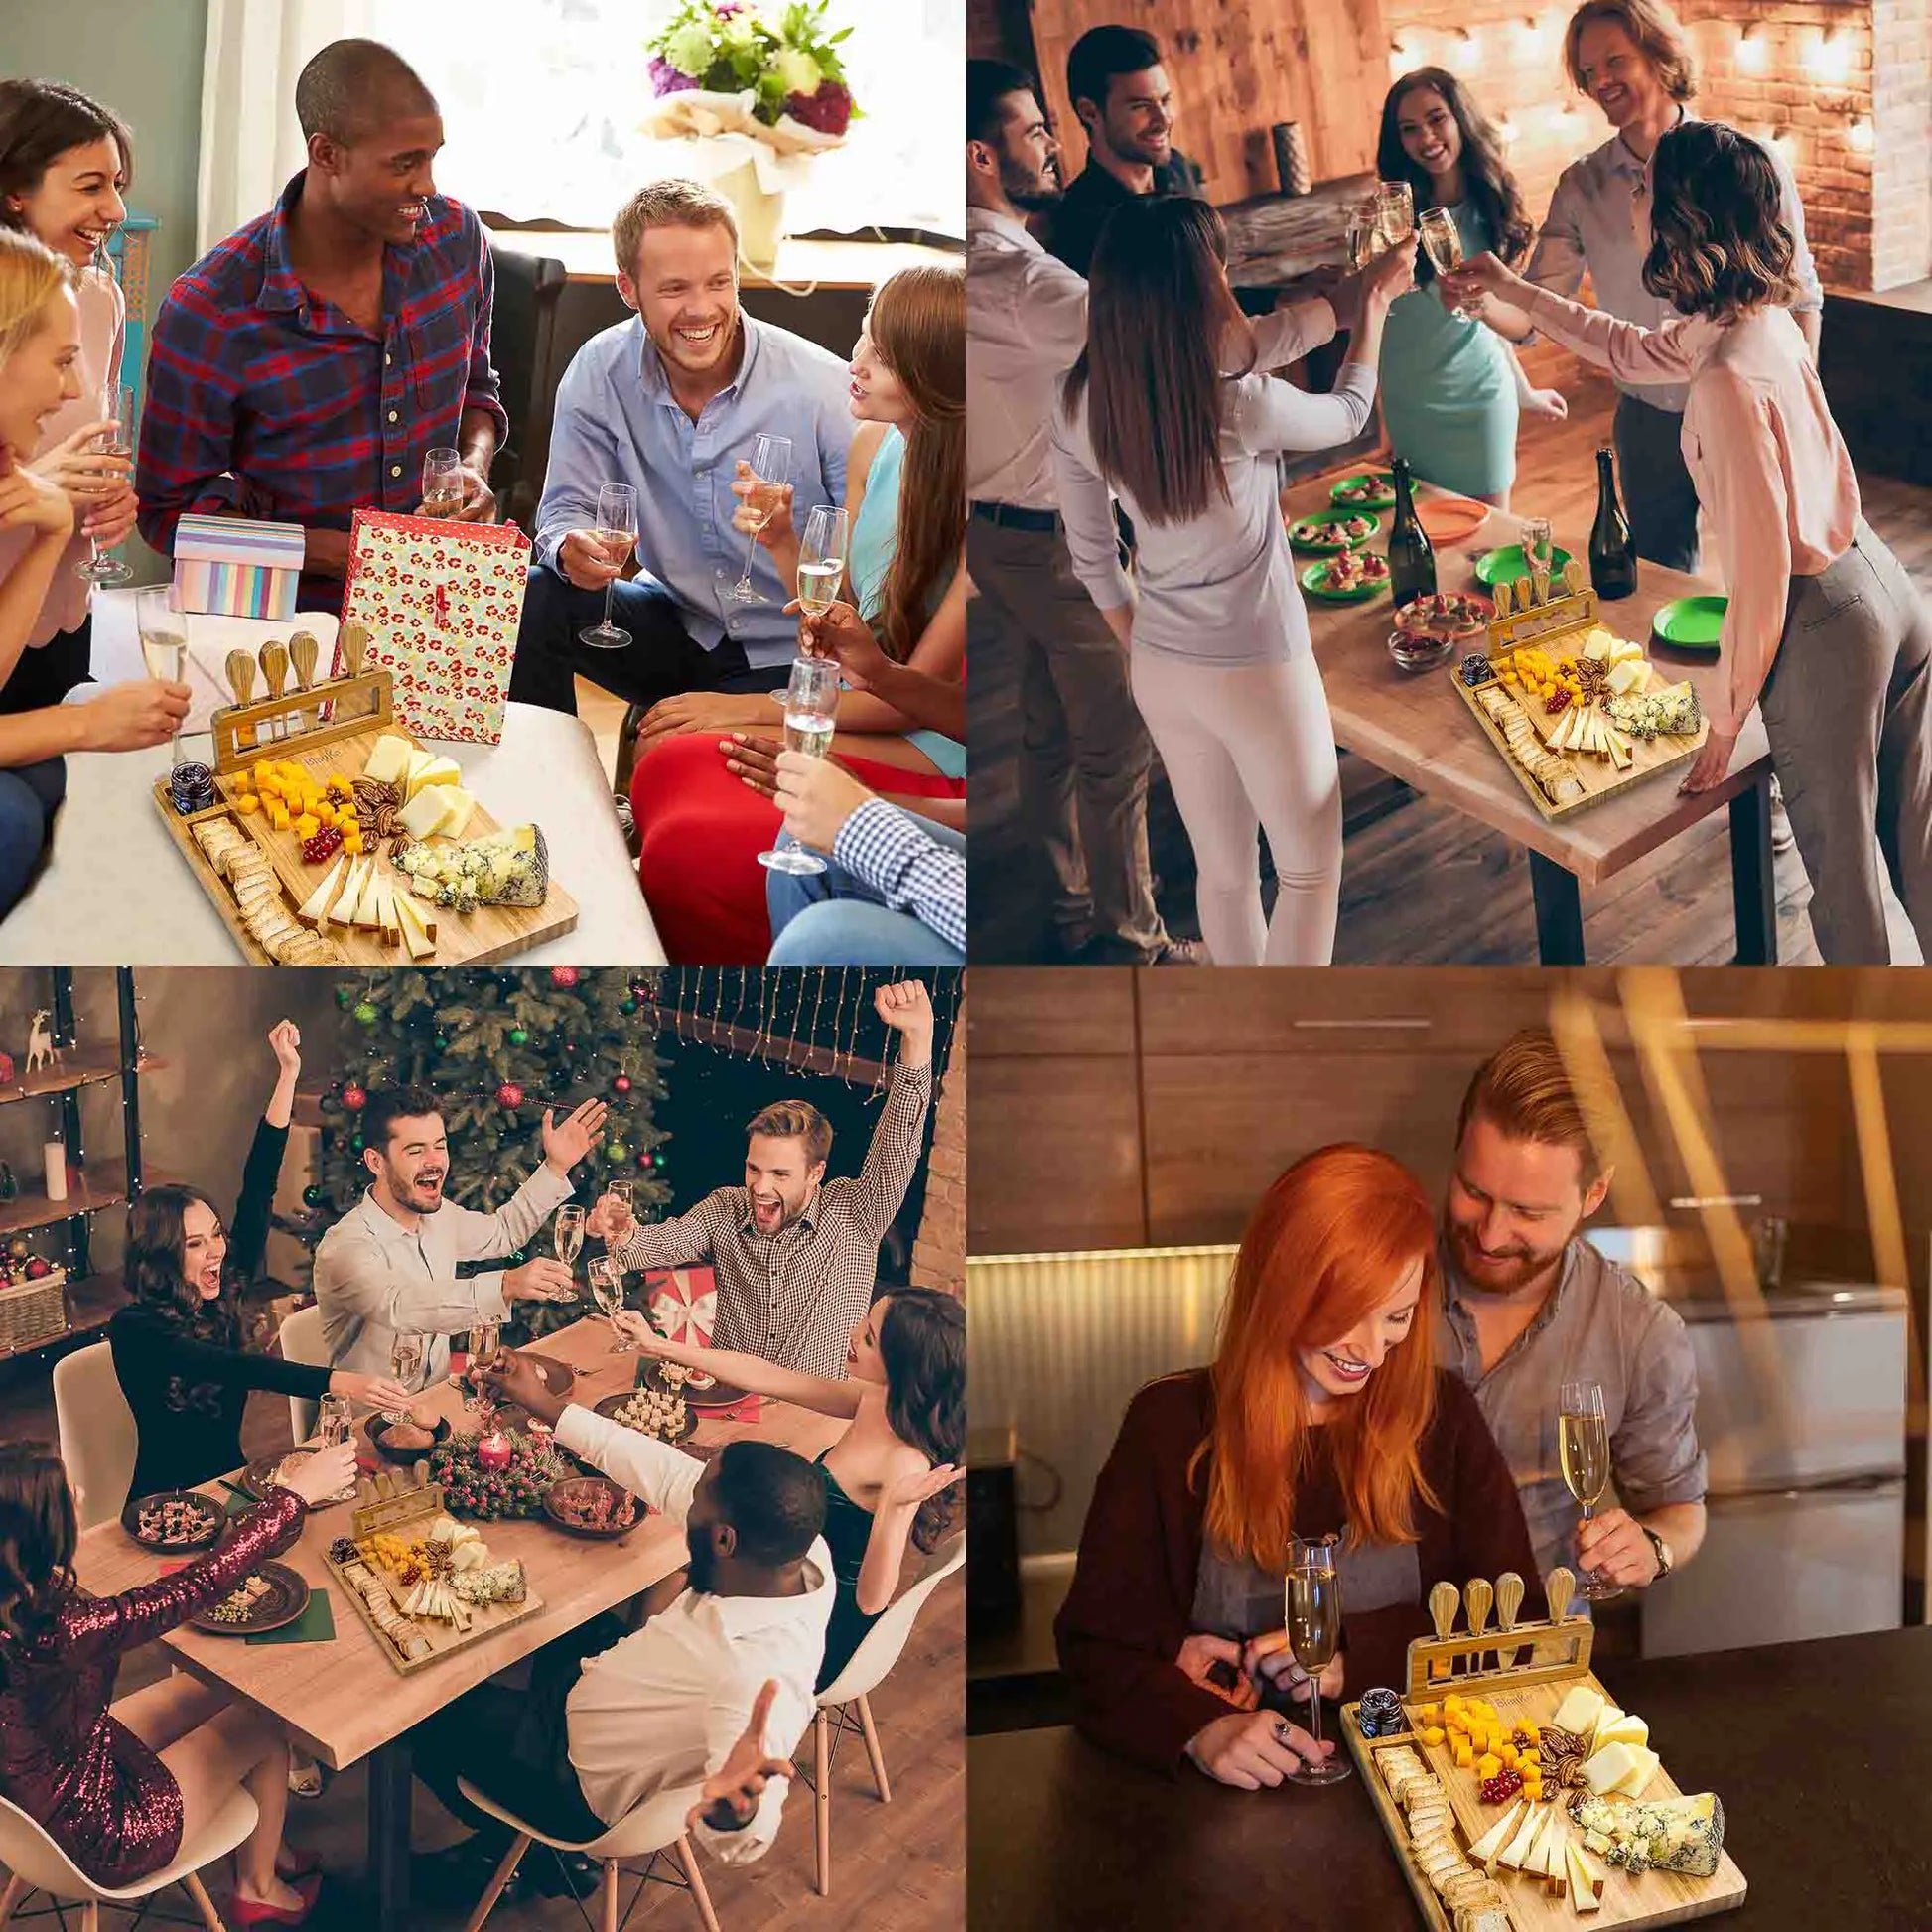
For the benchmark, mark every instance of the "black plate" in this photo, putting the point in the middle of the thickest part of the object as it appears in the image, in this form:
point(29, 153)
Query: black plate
point(287, 1598)
point(583, 1486)
point(612, 1403)
point(216, 1521)
point(719, 1395)
point(380, 1428)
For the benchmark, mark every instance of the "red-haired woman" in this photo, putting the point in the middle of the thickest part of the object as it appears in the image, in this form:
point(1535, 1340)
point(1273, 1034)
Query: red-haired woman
point(1324, 1412)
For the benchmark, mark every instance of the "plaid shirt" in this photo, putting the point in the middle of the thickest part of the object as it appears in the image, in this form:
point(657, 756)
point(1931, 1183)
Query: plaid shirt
point(884, 849)
point(266, 399)
point(795, 1296)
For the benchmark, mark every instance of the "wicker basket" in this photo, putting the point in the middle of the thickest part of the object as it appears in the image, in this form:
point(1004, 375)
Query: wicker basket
point(34, 1312)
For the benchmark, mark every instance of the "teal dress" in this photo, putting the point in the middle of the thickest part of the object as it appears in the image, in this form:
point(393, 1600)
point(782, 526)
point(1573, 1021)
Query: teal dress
point(847, 1528)
point(1449, 392)
point(874, 539)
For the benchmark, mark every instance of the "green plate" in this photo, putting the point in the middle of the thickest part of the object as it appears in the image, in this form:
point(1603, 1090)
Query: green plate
point(1690, 624)
point(1339, 542)
point(1507, 564)
point(1383, 499)
point(1313, 581)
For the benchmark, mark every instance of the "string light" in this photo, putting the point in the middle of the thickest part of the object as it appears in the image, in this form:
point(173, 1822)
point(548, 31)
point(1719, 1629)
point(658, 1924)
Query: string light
point(1464, 53)
point(1753, 50)
point(1830, 56)
point(1399, 59)
point(1858, 137)
point(1506, 130)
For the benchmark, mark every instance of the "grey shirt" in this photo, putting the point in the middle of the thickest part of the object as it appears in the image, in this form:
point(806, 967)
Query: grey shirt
point(1600, 220)
point(1599, 1324)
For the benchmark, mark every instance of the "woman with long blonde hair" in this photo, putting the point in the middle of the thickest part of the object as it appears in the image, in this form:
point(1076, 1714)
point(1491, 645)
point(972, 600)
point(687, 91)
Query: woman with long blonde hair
point(703, 796)
point(1322, 1413)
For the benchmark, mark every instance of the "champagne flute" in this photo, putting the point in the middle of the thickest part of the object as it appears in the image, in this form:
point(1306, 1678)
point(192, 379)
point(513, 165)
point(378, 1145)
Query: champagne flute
point(442, 482)
point(335, 1425)
point(569, 1234)
point(770, 466)
point(1313, 1608)
point(117, 401)
point(810, 700)
point(1395, 213)
point(1359, 234)
point(821, 559)
point(1583, 1443)
point(616, 525)
point(164, 644)
point(1443, 242)
point(485, 1344)
point(406, 1356)
point(607, 1290)
point(1537, 555)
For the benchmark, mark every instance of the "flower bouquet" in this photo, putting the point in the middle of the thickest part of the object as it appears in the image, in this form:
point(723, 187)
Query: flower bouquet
point(470, 1490)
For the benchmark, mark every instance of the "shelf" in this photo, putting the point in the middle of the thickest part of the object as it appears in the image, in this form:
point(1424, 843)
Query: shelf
point(92, 1305)
point(81, 1070)
point(102, 1184)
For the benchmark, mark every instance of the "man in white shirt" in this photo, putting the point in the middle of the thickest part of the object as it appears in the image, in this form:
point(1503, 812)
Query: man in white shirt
point(710, 1695)
point(1084, 756)
point(390, 1264)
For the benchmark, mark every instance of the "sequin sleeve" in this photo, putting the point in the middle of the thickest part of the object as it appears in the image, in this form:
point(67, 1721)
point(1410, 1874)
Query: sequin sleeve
point(92, 1627)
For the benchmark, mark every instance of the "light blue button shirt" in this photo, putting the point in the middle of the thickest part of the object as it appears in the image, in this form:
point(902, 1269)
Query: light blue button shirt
point(616, 421)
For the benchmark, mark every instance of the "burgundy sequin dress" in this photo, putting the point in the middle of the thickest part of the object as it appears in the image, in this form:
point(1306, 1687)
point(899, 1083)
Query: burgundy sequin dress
point(85, 1778)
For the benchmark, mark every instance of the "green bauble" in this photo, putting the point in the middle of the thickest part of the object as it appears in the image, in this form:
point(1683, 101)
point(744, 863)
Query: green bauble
point(519, 1036)
point(617, 1152)
point(627, 1005)
point(441, 1042)
point(366, 1013)
point(344, 996)
point(313, 1197)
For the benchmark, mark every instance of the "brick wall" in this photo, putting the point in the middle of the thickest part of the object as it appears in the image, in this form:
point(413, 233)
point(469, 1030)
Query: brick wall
point(1901, 78)
point(939, 1250)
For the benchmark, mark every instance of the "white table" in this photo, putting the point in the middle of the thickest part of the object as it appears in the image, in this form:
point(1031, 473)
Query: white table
point(117, 892)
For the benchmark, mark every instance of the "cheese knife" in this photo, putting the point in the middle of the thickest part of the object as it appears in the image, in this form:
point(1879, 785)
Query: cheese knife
point(275, 670)
point(1556, 1592)
point(303, 650)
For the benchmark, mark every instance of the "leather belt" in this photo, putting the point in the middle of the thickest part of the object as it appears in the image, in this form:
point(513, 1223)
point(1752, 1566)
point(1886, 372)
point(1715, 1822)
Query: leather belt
point(1010, 517)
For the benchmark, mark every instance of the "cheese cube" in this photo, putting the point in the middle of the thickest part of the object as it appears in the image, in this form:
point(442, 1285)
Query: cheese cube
point(389, 759)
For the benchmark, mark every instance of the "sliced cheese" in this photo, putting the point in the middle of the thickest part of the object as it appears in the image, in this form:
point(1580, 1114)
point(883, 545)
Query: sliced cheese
point(417, 937)
point(342, 908)
point(1483, 1851)
point(1628, 676)
point(423, 817)
point(1622, 755)
point(365, 913)
point(1635, 1781)
point(1518, 1847)
point(1606, 1770)
point(1627, 1729)
point(389, 759)
point(1577, 1713)
point(1605, 1717)
point(316, 907)
point(1585, 1891)
point(431, 768)
point(385, 909)
point(459, 807)
point(1625, 650)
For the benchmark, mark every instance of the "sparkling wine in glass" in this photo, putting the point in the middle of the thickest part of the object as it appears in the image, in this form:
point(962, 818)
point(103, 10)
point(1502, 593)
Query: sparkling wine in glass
point(607, 1290)
point(117, 401)
point(821, 559)
point(811, 699)
point(164, 644)
point(616, 526)
point(1313, 1609)
point(1360, 235)
point(442, 482)
point(569, 1235)
point(770, 466)
point(1395, 213)
point(485, 1344)
point(1539, 556)
point(1443, 242)
point(335, 1425)
point(406, 1356)
point(1583, 1443)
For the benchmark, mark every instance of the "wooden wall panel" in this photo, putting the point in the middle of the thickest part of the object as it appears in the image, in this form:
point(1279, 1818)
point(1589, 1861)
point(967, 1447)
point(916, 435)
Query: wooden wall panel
point(1026, 1010)
point(1237, 69)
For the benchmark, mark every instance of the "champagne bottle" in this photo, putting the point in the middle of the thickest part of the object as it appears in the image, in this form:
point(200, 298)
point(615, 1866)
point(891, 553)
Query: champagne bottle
point(1412, 558)
point(1612, 549)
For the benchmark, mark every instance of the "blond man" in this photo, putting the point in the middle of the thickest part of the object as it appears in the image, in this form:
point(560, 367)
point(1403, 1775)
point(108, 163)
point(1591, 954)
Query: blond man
point(673, 402)
point(1529, 1304)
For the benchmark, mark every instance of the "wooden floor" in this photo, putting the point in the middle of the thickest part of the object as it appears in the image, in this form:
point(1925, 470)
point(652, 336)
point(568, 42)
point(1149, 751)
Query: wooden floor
point(896, 1869)
point(1422, 883)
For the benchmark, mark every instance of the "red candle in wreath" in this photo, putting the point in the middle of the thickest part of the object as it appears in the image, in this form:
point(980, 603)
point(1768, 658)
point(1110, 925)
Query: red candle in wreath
point(493, 1452)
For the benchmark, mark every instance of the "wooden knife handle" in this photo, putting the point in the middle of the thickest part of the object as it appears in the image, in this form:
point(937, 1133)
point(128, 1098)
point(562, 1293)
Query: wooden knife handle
point(240, 667)
point(1556, 1592)
point(275, 666)
point(303, 652)
point(1509, 1600)
point(1478, 1597)
point(1443, 1600)
point(354, 640)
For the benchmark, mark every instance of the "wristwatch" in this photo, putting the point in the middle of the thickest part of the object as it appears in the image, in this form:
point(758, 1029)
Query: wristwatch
point(1662, 1548)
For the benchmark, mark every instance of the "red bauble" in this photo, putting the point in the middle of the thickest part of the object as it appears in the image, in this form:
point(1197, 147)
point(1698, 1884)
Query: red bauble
point(510, 1094)
point(38, 1268)
point(6, 1069)
point(622, 1085)
point(355, 1099)
point(643, 1160)
point(564, 976)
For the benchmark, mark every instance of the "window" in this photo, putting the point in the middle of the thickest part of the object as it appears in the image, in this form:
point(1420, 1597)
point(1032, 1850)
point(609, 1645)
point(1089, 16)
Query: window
point(561, 143)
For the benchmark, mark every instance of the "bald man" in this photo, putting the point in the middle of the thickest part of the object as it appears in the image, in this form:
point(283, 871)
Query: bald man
point(304, 365)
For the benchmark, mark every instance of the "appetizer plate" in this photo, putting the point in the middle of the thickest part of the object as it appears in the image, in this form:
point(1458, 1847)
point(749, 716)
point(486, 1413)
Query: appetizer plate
point(259, 1477)
point(1379, 485)
point(381, 1429)
point(1322, 532)
point(1508, 565)
point(1450, 519)
point(612, 1403)
point(211, 1517)
point(1314, 580)
point(285, 1599)
point(1690, 624)
point(559, 1498)
point(720, 1395)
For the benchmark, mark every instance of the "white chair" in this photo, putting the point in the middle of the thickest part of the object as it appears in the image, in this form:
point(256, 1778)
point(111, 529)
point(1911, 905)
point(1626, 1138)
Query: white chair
point(878, 1650)
point(35, 1864)
point(97, 1433)
point(655, 1828)
point(300, 1341)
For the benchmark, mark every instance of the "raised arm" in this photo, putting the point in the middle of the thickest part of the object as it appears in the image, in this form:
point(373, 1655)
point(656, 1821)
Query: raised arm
point(748, 1372)
point(665, 1477)
point(893, 1155)
point(906, 1493)
point(352, 1276)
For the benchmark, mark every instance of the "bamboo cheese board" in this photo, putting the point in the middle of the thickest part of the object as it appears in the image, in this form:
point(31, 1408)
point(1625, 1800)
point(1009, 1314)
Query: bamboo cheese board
point(405, 1506)
point(1567, 778)
point(1432, 1804)
point(267, 908)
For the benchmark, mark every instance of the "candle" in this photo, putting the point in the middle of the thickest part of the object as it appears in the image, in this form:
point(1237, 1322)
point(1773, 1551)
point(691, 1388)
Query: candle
point(55, 1158)
point(493, 1452)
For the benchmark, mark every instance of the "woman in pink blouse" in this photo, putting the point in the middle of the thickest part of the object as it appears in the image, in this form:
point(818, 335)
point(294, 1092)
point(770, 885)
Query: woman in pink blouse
point(1825, 633)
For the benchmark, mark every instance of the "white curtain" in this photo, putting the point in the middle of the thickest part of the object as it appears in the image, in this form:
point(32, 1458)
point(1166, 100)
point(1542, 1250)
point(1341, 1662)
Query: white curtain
point(250, 141)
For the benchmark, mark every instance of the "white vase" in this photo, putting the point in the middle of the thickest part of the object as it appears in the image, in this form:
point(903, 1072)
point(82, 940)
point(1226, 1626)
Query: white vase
point(761, 214)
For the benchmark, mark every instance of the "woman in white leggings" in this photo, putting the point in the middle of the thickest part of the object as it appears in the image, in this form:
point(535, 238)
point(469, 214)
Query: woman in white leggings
point(1169, 410)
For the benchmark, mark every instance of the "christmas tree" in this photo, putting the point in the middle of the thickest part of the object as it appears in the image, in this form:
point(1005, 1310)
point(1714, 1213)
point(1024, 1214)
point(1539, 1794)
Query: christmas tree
point(497, 1046)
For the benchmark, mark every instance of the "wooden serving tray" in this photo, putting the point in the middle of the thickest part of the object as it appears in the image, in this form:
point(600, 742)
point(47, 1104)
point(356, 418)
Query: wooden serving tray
point(1649, 1899)
point(492, 932)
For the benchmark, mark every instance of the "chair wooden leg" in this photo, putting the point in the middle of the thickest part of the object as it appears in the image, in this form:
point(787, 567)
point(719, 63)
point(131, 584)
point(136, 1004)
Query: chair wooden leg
point(17, 1889)
point(90, 1916)
point(192, 1886)
point(873, 1754)
point(687, 1856)
point(609, 1895)
point(822, 1796)
point(506, 1871)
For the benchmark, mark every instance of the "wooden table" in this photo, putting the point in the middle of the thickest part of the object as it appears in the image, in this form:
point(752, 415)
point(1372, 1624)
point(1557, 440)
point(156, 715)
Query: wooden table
point(1417, 728)
point(344, 1701)
point(801, 265)
point(1829, 1831)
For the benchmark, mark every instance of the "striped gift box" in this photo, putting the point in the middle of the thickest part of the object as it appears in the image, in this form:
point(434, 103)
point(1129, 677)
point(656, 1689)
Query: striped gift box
point(234, 568)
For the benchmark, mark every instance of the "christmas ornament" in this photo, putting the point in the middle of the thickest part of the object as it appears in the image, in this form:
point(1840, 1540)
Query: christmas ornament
point(627, 1004)
point(366, 1013)
point(355, 1143)
point(617, 1152)
point(648, 1160)
point(20, 1247)
point(519, 1036)
point(9, 1185)
point(355, 1099)
point(622, 1085)
point(564, 976)
point(38, 1268)
point(510, 1094)
point(6, 1069)
point(344, 996)
point(657, 1160)
point(313, 1197)
point(441, 1042)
